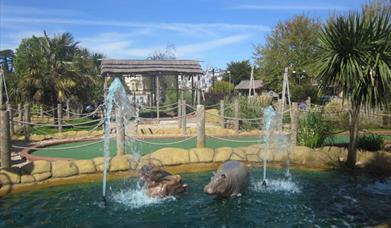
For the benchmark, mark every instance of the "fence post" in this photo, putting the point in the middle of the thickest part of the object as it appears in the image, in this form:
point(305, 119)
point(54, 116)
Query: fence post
point(157, 99)
point(183, 117)
point(120, 133)
point(179, 113)
point(68, 110)
point(200, 126)
point(59, 117)
point(222, 114)
point(294, 122)
point(11, 115)
point(5, 141)
point(27, 120)
point(41, 111)
point(308, 103)
point(237, 116)
point(20, 114)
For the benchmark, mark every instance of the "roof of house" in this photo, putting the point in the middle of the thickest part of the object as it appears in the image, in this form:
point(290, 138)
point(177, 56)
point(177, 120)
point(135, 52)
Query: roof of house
point(245, 84)
point(117, 66)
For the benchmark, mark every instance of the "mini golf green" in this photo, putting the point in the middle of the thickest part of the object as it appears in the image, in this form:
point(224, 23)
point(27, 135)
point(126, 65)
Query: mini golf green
point(89, 150)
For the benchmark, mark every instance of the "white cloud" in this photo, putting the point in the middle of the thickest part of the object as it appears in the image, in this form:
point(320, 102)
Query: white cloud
point(189, 28)
point(320, 7)
point(117, 45)
point(191, 49)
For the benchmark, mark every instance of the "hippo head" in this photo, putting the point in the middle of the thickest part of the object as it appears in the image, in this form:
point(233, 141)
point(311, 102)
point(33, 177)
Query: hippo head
point(218, 184)
point(151, 172)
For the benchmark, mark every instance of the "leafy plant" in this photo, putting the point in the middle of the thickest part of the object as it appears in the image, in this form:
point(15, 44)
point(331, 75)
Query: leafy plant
point(371, 142)
point(313, 130)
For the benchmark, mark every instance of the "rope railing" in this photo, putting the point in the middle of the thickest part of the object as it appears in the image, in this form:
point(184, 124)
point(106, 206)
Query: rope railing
point(170, 143)
point(58, 148)
point(160, 106)
point(233, 140)
point(55, 125)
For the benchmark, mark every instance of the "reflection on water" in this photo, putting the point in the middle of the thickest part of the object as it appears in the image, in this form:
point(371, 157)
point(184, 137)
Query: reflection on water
point(321, 199)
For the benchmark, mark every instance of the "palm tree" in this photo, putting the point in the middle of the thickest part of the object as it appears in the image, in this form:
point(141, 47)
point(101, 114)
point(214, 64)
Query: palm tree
point(58, 52)
point(355, 57)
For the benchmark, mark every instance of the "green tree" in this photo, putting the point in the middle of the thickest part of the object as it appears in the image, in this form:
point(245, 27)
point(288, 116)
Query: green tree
point(291, 43)
point(223, 87)
point(355, 57)
point(52, 70)
point(31, 68)
point(238, 71)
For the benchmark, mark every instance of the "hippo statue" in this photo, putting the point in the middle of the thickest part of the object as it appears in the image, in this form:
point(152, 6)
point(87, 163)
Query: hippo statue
point(159, 182)
point(231, 179)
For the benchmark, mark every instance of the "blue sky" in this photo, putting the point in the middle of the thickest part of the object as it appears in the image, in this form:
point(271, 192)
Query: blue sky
point(215, 31)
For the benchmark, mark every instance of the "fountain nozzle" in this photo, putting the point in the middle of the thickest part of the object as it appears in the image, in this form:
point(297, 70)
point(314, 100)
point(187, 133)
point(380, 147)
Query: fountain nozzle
point(264, 184)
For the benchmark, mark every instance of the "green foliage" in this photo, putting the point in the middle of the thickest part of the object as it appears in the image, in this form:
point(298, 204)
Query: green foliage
point(302, 92)
point(371, 142)
point(250, 108)
point(50, 70)
point(223, 87)
point(313, 130)
point(239, 70)
point(354, 56)
point(291, 43)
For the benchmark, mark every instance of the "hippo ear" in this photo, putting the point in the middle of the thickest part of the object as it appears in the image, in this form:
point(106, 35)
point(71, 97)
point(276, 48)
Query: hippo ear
point(223, 175)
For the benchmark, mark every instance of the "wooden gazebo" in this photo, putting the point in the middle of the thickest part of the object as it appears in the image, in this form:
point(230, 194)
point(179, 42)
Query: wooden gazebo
point(152, 71)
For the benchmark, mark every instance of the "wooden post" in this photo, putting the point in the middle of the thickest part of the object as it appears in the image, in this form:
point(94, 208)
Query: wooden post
point(222, 114)
point(237, 116)
point(179, 113)
point(308, 103)
point(157, 98)
point(5, 142)
point(200, 126)
point(41, 111)
point(294, 122)
point(27, 120)
point(59, 117)
point(120, 132)
point(184, 117)
point(11, 115)
point(1, 89)
point(20, 114)
point(68, 109)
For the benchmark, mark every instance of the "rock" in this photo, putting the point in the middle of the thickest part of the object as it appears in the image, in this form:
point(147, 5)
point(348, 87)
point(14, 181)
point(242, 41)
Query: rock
point(98, 162)
point(42, 176)
point(10, 176)
point(63, 169)
point(119, 163)
point(171, 156)
point(222, 154)
point(201, 155)
point(302, 155)
point(252, 154)
point(85, 166)
point(36, 167)
point(238, 154)
point(27, 179)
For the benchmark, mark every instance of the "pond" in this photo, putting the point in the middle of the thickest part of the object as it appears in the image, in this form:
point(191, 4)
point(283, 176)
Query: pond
point(310, 198)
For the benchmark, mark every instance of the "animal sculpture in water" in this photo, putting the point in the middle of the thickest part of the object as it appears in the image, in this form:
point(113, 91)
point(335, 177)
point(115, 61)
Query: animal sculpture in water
point(231, 179)
point(159, 182)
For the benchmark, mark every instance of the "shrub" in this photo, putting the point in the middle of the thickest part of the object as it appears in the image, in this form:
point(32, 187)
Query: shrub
point(370, 142)
point(250, 108)
point(223, 87)
point(313, 130)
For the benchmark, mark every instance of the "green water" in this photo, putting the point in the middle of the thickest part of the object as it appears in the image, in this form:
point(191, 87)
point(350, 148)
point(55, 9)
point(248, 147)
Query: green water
point(96, 150)
point(311, 199)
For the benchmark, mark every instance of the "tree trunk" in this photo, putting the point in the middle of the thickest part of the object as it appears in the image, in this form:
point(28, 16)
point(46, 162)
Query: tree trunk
point(352, 150)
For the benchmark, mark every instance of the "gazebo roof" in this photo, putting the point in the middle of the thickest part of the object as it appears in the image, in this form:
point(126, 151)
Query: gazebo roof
point(245, 84)
point(117, 66)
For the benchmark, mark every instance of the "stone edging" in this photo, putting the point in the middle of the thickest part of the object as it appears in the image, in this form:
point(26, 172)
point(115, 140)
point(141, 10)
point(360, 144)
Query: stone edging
point(40, 171)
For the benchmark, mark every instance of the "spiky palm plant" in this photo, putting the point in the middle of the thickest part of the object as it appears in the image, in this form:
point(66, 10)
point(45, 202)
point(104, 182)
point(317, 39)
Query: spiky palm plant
point(355, 57)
